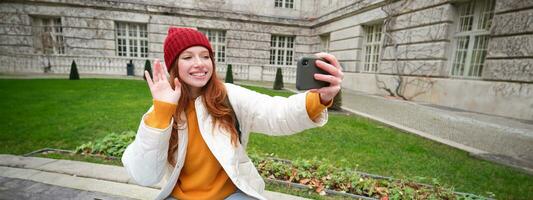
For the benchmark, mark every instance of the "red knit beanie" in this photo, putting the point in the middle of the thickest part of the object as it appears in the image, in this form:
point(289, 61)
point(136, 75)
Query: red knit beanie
point(179, 39)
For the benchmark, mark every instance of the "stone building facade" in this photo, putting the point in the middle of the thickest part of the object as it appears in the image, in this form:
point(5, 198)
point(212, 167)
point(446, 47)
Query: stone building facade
point(475, 55)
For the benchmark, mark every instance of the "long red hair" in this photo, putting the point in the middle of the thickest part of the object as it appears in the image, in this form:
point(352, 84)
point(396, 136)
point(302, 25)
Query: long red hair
point(214, 96)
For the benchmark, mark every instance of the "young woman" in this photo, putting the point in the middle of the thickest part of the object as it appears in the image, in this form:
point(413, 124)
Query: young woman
point(189, 135)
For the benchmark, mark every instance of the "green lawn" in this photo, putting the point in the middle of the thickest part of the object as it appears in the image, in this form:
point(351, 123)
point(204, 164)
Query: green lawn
point(64, 114)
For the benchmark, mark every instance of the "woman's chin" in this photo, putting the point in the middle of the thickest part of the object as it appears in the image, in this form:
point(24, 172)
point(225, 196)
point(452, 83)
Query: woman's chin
point(198, 83)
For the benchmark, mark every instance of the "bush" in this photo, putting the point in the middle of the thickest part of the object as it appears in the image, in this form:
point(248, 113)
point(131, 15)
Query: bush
point(337, 102)
point(112, 144)
point(229, 74)
point(148, 67)
point(278, 82)
point(74, 71)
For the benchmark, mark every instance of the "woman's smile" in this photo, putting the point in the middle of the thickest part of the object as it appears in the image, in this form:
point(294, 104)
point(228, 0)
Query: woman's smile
point(199, 74)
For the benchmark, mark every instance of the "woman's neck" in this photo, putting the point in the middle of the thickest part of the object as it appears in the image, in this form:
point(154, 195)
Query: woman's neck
point(195, 92)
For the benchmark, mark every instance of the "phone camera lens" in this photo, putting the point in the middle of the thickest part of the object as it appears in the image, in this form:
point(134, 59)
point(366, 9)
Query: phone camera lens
point(305, 62)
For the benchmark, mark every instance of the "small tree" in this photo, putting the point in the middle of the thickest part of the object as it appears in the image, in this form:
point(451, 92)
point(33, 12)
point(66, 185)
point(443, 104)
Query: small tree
point(278, 82)
point(48, 68)
point(74, 71)
point(148, 67)
point(337, 102)
point(229, 74)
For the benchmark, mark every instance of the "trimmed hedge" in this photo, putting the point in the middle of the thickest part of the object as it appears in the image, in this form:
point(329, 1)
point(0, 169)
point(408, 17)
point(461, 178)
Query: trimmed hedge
point(74, 75)
point(278, 83)
point(229, 74)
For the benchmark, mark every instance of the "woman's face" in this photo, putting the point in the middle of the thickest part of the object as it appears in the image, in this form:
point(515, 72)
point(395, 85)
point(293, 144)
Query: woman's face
point(195, 68)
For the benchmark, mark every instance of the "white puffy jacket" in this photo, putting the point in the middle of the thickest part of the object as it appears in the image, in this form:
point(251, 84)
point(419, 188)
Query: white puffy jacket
point(145, 158)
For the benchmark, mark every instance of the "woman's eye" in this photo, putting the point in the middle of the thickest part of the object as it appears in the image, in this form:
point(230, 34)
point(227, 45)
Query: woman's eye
point(186, 58)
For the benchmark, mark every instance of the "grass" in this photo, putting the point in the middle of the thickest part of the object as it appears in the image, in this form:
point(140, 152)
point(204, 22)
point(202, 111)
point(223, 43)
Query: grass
point(64, 114)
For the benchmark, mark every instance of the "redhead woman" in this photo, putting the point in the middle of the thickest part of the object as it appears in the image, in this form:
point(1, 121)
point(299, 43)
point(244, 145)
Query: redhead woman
point(189, 136)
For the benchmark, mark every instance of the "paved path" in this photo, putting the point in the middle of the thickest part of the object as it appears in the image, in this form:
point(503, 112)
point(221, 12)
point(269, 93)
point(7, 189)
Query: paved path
point(499, 139)
point(14, 188)
point(45, 178)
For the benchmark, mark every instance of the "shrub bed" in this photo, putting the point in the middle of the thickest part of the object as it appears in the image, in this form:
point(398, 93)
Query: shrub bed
point(321, 176)
point(113, 144)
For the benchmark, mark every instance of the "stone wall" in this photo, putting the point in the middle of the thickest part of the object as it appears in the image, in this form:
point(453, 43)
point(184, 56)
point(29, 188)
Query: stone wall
point(511, 99)
point(418, 45)
point(86, 31)
point(346, 37)
point(89, 26)
point(510, 53)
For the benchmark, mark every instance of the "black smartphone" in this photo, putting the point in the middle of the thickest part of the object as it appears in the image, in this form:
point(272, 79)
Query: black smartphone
point(305, 70)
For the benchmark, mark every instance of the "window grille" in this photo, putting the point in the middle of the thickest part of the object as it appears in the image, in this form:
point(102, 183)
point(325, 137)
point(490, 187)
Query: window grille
point(131, 39)
point(371, 47)
point(471, 39)
point(217, 38)
point(48, 34)
point(284, 3)
point(281, 50)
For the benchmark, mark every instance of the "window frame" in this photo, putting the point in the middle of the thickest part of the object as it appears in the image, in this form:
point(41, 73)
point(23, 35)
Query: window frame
point(55, 30)
point(284, 4)
point(139, 48)
point(468, 60)
point(371, 48)
point(325, 42)
point(219, 47)
point(286, 47)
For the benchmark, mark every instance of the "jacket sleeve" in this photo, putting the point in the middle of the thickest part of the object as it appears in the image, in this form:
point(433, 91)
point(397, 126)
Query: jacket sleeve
point(272, 115)
point(145, 159)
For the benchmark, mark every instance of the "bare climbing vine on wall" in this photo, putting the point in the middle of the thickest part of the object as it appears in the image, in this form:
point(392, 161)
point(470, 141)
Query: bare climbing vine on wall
point(408, 66)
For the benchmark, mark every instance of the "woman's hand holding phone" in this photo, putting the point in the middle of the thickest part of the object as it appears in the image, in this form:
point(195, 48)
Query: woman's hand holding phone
point(334, 78)
point(160, 86)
